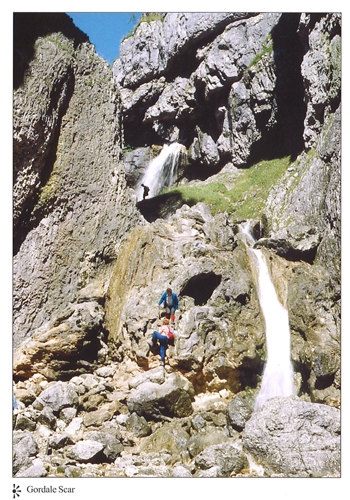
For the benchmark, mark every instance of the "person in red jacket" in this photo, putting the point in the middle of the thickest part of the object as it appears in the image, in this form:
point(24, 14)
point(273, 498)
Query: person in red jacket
point(163, 336)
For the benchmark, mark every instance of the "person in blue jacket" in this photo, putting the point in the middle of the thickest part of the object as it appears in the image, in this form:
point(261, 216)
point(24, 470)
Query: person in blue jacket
point(171, 303)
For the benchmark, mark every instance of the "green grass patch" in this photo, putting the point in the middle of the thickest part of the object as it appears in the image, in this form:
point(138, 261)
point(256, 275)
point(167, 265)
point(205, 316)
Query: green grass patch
point(60, 42)
point(267, 46)
point(145, 18)
point(247, 198)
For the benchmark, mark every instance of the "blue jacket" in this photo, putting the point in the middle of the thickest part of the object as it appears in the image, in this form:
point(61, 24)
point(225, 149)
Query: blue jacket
point(175, 300)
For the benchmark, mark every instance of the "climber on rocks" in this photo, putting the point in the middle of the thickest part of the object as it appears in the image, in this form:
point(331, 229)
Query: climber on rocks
point(171, 304)
point(164, 336)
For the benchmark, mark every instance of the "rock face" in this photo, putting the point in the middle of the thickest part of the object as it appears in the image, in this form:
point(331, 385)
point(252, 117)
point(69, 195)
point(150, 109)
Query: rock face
point(295, 438)
point(232, 73)
point(71, 205)
point(58, 348)
point(170, 399)
point(198, 256)
point(238, 90)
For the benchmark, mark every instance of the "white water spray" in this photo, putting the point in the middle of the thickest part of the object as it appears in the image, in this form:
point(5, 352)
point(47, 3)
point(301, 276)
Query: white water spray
point(278, 372)
point(162, 170)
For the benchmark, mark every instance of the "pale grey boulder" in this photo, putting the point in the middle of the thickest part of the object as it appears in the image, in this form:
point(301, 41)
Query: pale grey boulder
point(155, 375)
point(295, 438)
point(37, 469)
point(85, 451)
point(58, 396)
point(48, 418)
point(225, 456)
point(205, 437)
point(170, 399)
point(171, 437)
point(24, 447)
point(110, 439)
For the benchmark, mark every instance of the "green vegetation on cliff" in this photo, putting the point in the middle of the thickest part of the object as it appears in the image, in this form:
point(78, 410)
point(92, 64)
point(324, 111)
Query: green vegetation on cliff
point(146, 17)
point(246, 197)
point(267, 46)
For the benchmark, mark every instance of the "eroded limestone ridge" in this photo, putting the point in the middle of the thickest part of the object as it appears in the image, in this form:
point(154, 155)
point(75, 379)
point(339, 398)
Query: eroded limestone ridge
point(71, 204)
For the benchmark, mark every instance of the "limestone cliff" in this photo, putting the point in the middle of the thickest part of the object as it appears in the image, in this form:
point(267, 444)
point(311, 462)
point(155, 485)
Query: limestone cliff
point(71, 204)
point(254, 98)
point(252, 87)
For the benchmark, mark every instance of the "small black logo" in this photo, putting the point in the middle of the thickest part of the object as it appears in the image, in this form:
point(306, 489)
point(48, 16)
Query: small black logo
point(16, 491)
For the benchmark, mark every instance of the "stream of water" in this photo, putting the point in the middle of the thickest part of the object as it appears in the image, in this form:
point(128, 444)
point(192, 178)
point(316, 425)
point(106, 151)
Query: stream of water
point(162, 170)
point(278, 372)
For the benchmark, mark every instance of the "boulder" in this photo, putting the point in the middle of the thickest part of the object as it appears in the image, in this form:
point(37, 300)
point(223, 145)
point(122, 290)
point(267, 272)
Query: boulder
point(26, 396)
point(180, 471)
point(225, 456)
point(212, 472)
point(206, 437)
point(74, 426)
point(153, 471)
point(295, 438)
point(24, 447)
point(48, 418)
point(155, 375)
point(105, 371)
point(60, 441)
point(110, 439)
point(137, 425)
point(170, 437)
point(170, 399)
point(67, 414)
point(198, 422)
point(85, 451)
point(24, 423)
point(58, 396)
point(239, 412)
point(37, 469)
point(98, 417)
point(91, 402)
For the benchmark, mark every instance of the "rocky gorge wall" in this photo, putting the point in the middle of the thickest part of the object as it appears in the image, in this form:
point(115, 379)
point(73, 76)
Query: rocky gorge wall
point(249, 88)
point(71, 206)
point(238, 90)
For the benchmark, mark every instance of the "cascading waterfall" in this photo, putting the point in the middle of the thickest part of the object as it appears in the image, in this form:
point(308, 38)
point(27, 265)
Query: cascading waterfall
point(162, 170)
point(278, 372)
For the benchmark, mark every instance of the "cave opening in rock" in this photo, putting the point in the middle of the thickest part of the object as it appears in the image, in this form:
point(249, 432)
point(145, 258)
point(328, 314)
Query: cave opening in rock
point(201, 287)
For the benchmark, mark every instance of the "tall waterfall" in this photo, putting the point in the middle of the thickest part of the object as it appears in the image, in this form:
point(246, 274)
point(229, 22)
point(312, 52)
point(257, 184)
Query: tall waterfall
point(278, 372)
point(162, 170)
